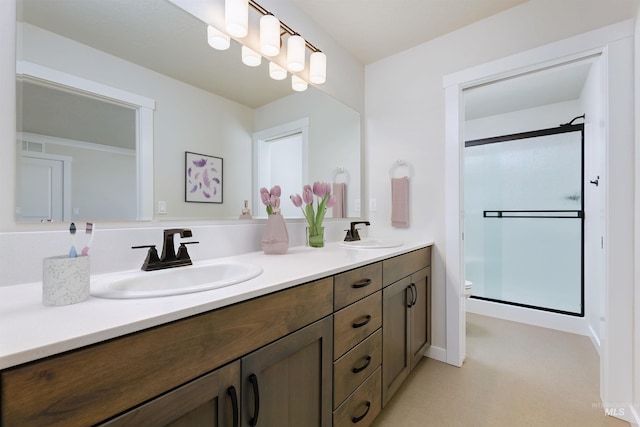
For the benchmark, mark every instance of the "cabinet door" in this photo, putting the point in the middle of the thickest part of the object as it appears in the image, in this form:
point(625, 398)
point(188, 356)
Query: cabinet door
point(396, 364)
point(211, 400)
point(420, 315)
point(288, 383)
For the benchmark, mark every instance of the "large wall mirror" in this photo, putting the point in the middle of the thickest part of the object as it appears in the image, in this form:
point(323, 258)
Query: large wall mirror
point(135, 85)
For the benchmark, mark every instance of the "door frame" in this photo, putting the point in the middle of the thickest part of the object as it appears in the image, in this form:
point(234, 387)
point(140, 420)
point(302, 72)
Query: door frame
point(615, 44)
point(66, 176)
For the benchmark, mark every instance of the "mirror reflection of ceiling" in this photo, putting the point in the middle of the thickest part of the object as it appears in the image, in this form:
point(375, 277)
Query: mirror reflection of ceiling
point(157, 35)
point(551, 86)
point(50, 111)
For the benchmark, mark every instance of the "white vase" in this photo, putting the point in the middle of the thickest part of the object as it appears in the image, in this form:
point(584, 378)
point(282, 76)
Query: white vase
point(275, 238)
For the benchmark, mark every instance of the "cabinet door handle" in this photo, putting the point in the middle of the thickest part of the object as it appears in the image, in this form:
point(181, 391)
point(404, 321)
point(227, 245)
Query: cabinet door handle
point(361, 324)
point(361, 284)
point(231, 391)
point(409, 298)
point(361, 417)
point(253, 421)
point(363, 367)
point(414, 291)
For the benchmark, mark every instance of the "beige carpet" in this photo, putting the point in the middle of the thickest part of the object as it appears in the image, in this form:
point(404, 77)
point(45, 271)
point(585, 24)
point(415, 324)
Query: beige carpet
point(514, 375)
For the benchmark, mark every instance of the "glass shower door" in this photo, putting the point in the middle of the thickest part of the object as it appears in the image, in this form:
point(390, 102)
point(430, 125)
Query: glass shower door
point(524, 220)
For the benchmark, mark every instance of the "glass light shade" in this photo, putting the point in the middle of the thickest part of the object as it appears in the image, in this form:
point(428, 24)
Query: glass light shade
point(236, 17)
point(250, 57)
point(276, 72)
point(298, 84)
point(295, 53)
point(318, 68)
point(217, 39)
point(270, 35)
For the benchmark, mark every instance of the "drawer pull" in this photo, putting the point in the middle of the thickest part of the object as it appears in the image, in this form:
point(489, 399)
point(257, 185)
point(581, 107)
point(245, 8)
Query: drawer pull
point(414, 291)
point(231, 391)
point(361, 417)
point(361, 324)
point(362, 368)
point(361, 284)
point(253, 421)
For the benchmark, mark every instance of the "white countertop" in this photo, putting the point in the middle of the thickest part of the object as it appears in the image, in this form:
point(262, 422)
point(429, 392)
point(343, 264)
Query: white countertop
point(30, 331)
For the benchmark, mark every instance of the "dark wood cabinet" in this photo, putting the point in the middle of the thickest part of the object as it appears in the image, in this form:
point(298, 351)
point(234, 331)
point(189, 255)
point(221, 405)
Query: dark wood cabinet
point(406, 318)
point(288, 383)
point(212, 400)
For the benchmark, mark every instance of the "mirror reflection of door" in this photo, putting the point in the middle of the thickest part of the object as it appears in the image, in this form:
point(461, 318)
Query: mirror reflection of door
point(42, 193)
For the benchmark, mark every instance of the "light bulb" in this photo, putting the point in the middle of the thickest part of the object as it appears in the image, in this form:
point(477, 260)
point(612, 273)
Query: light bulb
point(276, 72)
point(250, 57)
point(236, 17)
point(270, 35)
point(298, 84)
point(318, 68)
point(295, 53)
point(217, 39)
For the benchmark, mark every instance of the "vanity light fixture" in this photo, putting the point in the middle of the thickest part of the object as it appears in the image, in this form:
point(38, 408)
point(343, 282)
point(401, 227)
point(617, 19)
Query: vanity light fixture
point(276, 72)
point(217, 39)
point(236, 17)
point(295, 53)
point(272, 31)
point(298, 84)
point(318, 68)
point(269, 35)
point(250, 57)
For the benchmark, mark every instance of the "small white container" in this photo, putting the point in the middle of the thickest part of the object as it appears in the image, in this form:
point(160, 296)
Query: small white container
point(65, 280)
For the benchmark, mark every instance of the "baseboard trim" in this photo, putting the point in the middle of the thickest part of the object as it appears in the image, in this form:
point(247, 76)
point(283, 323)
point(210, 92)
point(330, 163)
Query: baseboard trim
point(594, 339)
point(437, 353)
point(635, 416)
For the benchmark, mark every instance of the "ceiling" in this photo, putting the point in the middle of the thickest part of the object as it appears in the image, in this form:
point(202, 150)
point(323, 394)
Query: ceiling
point(374, 29)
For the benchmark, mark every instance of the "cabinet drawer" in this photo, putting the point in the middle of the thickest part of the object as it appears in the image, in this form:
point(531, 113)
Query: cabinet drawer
point(356, 284)
point(354, 367)
point(394, 269)
point(363, 406)
point(356, 322)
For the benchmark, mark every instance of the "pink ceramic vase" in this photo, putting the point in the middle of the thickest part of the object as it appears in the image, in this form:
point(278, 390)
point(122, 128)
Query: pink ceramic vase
point(275, 238)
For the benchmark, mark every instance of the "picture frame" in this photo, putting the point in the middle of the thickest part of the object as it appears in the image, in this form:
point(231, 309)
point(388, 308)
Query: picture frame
point(203, 178)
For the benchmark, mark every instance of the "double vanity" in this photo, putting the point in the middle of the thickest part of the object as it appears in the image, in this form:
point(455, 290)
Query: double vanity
point(320, 337)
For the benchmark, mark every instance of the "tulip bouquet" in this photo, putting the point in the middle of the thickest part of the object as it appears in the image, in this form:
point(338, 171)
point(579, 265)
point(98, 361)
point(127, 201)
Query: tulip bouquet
point(271, 199)
point(315, 216)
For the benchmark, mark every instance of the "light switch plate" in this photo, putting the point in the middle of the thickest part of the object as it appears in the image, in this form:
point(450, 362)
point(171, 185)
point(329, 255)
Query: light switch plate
point(162, 207)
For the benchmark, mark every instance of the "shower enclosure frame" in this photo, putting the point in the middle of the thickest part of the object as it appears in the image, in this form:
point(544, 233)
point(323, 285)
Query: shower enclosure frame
point(558, 214)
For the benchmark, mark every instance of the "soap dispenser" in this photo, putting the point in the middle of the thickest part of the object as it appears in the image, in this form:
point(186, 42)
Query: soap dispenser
point(246, 212)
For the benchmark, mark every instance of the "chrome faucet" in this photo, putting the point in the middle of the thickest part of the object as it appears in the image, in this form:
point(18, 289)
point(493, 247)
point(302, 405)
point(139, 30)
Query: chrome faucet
point(352, 232)
point(169, 258)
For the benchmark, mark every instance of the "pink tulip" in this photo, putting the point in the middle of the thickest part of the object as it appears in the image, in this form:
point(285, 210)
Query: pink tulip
point(307, 195)
point(266, 199)
point(276, 191)
point(307, 187)
point(331, 201)
point(319, 189)
point(296, 200)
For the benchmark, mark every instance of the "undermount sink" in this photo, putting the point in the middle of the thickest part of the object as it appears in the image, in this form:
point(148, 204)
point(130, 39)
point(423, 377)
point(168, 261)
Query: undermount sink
point(199, 277)
point(371, 244)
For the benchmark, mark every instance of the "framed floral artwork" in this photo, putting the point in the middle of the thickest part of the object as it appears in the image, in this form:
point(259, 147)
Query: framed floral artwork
point(203, 178)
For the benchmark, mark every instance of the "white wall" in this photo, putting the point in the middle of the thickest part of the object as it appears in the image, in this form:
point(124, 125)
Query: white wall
point(636, 348)
point(405, 109)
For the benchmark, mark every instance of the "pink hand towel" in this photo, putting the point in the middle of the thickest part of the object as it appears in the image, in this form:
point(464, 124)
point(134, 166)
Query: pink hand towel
point(400, 202)
point(340, 206)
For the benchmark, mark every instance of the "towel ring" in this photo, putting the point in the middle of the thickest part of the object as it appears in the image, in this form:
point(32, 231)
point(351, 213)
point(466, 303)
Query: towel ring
point(400, 164)
point(340, 171)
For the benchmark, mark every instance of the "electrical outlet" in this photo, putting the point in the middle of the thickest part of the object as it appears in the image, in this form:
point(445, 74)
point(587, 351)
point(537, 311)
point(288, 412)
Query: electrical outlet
point(373, 205)
point(162, 207)
point(357, 208)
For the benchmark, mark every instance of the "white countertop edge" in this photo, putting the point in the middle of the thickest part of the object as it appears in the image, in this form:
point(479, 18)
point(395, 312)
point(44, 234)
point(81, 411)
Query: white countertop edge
point(30, 331)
